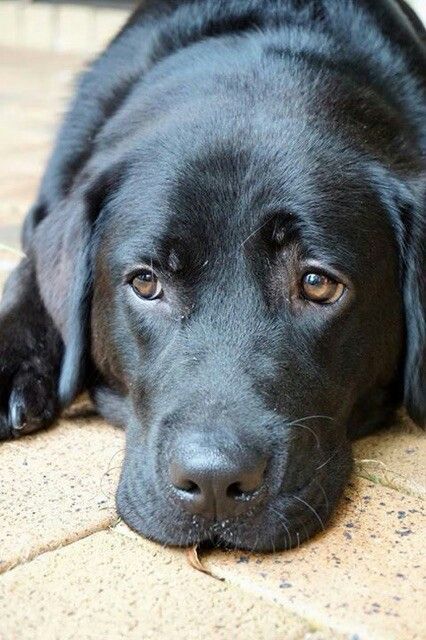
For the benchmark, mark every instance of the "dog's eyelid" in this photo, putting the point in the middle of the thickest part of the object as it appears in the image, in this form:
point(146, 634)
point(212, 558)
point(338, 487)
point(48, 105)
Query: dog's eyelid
point(133, 271)
point(326, 269)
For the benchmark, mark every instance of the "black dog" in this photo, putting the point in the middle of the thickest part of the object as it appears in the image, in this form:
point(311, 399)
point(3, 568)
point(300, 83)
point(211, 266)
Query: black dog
point(228, 251)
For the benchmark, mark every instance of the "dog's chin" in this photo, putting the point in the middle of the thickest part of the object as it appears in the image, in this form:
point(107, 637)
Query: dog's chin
point(286, 521)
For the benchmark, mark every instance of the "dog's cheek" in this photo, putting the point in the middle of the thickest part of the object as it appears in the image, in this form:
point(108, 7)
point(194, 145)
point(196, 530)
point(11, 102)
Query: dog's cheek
point(105, 352)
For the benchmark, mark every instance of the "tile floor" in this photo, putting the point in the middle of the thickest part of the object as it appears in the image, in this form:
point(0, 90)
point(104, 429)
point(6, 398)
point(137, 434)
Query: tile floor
point(70, 569)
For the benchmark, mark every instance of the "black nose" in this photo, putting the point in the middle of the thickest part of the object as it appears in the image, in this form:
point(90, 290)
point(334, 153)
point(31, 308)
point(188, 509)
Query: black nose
point(217, 485)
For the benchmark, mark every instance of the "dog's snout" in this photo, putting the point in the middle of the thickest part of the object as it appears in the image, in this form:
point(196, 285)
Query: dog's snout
point(216, 485)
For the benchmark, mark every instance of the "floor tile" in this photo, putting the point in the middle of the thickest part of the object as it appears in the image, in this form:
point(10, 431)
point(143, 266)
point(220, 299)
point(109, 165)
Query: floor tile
point(364, 576)
point(116, 585)
point(395, 457)
point(57, 486)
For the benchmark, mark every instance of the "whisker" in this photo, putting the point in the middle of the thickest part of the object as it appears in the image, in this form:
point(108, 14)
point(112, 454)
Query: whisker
point(327, 505)
point(329, 459)
point(286, 529)
point(255, 543)
point(254, 232)
point(304, 426)
point(316, 514)
point(298, 539)
point(311, 418)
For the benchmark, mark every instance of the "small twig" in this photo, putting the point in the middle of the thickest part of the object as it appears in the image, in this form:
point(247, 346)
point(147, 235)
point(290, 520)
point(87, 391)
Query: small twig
point(16, 252)
point(390, 476)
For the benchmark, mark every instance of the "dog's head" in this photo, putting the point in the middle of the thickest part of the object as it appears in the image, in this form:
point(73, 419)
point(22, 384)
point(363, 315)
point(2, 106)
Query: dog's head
point(250, 295)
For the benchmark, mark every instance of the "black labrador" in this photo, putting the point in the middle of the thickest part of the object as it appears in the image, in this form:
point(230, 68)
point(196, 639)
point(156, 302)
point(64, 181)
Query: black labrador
point(228, 252)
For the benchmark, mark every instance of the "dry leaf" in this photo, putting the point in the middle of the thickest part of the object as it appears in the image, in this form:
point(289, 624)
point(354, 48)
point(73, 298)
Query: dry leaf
point(195, 562)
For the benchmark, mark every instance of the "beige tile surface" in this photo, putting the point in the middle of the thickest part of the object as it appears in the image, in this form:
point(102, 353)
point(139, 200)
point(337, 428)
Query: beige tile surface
point(116, 585)
point(365, 576)
point(57, 486)
point(394, 457)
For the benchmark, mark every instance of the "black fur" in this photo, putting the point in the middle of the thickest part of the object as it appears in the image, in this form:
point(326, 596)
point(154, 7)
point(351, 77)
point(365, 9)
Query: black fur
point(231, 145)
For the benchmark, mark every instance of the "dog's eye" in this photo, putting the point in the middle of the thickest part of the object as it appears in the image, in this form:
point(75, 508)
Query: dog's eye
point(146, 285)
point(321, 289)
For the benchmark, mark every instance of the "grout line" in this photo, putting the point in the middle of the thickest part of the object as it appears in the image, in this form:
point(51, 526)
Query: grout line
point(232, 585)
point(55, 546)
point(112, 524)
point(313, 626)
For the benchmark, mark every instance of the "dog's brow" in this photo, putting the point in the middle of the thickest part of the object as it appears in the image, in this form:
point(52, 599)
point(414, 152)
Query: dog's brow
point(253, 233)
point(279, 222)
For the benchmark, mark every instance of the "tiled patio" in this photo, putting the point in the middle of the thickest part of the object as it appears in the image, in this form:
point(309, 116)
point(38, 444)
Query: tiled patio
point(70, 569)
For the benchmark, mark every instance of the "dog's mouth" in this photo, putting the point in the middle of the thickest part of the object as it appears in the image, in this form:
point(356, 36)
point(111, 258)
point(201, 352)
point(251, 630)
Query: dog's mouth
point(280, 524)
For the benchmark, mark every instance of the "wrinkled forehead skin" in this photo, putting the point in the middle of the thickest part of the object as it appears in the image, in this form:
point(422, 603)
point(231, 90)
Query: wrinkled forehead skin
point(223, 151)
point(208, 199)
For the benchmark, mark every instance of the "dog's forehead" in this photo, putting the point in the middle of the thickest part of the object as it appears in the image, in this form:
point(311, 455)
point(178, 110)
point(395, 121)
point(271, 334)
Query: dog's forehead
point(212, 200)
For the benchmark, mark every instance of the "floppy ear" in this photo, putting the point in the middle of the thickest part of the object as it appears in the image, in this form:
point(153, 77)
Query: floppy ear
point(61, 249)
point(405, 200)
point(414, 288)
point(63, 252)
point(77, 334)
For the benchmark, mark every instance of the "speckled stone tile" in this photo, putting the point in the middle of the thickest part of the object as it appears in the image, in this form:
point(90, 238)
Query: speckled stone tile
point(365, 576)
point(57, 486)
point(116, 585)
point(395, 458)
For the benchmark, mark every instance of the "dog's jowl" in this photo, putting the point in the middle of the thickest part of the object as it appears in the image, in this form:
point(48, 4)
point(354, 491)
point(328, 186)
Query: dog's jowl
point(228, 251)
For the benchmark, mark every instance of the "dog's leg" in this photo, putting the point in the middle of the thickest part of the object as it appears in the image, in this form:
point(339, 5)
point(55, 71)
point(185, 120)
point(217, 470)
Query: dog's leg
point(30, 357)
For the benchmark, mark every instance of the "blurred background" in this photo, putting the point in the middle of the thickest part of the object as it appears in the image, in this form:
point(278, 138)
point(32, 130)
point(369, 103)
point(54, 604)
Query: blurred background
point(83, 26)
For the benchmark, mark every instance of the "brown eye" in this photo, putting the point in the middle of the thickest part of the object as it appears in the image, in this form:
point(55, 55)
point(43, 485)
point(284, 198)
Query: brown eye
point(146, 285)
point(321, 289)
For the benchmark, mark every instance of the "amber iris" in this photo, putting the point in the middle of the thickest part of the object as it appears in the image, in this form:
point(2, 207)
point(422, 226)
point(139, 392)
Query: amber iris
point(321, 289)
point(146, 285)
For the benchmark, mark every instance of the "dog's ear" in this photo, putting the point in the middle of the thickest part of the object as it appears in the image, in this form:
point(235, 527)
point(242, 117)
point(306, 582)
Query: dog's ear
point(63, 250)
point(405, 200)
point(413, 253)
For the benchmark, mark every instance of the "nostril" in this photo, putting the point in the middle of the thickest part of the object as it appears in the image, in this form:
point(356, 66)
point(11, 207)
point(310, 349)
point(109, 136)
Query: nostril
point(235, 491)
point(188, 486)
point(181, 480)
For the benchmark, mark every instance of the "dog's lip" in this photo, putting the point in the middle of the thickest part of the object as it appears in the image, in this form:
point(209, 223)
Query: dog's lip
point(223, 534)
point(227, 533)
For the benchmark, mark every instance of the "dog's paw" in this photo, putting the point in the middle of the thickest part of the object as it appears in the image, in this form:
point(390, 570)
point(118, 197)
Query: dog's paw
point(28, 389)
